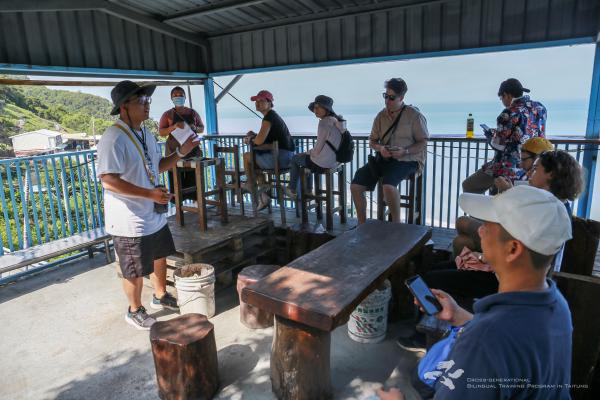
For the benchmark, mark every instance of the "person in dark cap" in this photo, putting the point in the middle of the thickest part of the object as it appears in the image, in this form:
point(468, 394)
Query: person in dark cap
point(272, 129)
point(329, 137)
point(129, 164)
point(399, 139)
point(521, 120)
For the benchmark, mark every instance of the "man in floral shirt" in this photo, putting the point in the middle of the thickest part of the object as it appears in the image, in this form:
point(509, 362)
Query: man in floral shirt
point(521, 120)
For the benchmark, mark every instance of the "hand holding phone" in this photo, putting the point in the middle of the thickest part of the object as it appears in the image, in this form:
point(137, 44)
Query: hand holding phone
point(424, 295)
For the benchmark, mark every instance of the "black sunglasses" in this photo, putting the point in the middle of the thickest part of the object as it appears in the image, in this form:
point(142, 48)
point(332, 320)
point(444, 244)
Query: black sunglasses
point(392, 97)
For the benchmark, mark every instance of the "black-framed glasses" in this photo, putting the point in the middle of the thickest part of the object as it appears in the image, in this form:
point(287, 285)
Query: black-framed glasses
point(143, 100)
point(391, 97)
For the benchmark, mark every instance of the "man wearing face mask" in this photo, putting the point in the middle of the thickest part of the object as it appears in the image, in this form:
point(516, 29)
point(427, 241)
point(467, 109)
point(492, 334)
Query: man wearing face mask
point(129, 164)
point(175, 118)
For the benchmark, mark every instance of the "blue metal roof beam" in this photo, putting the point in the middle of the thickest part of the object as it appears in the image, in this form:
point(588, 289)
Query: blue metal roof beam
point(22, 69)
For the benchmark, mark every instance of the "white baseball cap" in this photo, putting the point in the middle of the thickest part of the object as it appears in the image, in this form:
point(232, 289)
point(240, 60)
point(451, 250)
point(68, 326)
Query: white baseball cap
point(533, 216)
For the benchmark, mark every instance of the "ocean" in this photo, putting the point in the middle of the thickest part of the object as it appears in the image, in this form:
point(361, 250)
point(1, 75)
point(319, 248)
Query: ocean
point(565, 118)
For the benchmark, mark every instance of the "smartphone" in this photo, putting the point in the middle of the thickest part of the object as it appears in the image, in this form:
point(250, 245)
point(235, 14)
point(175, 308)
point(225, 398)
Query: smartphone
point(486, 129)
point(423, 294)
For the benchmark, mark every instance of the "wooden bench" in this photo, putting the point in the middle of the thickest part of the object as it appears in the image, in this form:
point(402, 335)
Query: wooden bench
point(582, 294)
point(317, 292)
point(46, 251)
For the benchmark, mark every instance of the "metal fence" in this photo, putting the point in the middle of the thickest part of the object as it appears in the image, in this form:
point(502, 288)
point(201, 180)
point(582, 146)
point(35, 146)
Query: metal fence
point(45, 198)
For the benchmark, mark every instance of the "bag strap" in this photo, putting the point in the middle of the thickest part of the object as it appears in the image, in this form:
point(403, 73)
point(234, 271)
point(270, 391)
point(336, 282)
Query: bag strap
point(137, 145)
point(341, 140)
point(393, 126)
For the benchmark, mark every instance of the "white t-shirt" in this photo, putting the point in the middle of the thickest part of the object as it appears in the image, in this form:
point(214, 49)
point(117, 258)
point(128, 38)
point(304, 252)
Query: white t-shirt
point(126, 215)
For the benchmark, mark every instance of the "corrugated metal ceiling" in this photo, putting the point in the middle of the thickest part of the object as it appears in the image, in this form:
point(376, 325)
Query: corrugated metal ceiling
point(226, 35)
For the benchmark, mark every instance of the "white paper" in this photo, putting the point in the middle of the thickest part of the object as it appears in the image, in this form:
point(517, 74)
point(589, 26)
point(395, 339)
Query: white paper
point(181, 135)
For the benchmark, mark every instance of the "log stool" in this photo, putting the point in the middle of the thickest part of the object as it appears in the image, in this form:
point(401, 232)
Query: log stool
point(412, 201)
point(185, 357)
point(325, 195)
point(199, 166)
point(250, 316)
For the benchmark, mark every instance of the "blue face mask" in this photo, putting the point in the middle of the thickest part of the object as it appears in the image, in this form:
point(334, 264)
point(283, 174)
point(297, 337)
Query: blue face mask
point(178, 101)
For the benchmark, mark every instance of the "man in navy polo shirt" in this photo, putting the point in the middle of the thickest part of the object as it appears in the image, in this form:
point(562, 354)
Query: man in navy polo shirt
point(517, 345)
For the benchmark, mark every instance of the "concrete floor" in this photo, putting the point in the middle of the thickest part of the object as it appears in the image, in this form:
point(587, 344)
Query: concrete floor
point(63, 336)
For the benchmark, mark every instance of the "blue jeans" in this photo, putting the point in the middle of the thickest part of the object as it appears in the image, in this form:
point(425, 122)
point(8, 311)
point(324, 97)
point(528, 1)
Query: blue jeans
point(265, 159)
point(299, 161)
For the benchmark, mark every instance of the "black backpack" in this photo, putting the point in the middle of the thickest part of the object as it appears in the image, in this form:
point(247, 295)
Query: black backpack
point(345, 152)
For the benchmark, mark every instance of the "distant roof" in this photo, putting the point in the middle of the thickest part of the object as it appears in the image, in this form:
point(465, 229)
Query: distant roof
point(77, 136)
point(45, 132)
point(194, 36)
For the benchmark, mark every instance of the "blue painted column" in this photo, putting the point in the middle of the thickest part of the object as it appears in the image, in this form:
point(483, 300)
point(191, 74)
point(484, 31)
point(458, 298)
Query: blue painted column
point(210, 106)
point(590, 154)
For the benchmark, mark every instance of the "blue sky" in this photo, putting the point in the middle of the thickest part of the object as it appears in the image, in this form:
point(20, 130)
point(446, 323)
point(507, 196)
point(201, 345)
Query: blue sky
point(554, 75)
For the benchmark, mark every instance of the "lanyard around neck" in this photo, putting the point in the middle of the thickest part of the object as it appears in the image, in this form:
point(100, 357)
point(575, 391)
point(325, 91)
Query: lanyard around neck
point(144, 154)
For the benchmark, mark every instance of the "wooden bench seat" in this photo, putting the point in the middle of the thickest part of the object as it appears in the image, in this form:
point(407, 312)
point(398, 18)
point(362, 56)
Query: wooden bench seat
point(317, 292)
point(46, 251)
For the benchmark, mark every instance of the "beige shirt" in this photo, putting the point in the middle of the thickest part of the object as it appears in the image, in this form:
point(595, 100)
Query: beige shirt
point(411, 128)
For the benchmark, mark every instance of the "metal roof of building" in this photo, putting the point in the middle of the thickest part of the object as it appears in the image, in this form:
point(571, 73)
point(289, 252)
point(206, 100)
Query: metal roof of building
point(44, 132)
point(199, 36)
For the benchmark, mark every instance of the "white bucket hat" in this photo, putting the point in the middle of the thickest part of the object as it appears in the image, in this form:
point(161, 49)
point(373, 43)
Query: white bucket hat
point(533, 216)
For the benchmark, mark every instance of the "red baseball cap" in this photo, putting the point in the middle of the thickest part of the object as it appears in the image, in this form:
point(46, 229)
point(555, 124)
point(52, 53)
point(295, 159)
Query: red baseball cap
point(264, 95)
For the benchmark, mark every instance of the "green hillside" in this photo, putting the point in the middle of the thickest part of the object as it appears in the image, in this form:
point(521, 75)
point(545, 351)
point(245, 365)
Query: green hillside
point(40, 107)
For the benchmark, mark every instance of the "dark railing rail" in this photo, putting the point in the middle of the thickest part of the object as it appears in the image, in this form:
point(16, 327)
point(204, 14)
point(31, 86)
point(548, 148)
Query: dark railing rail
point(48, 197)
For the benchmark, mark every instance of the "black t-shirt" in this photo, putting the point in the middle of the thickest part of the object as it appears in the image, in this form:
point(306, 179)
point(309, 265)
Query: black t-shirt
point(279, 132)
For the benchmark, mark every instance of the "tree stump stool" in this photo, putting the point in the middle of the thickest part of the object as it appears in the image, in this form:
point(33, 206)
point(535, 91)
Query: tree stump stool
point(250, 316)
point(185, 357)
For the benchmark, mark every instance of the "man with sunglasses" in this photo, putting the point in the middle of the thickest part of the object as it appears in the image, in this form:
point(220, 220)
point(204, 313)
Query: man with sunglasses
point(129, 164)
point(521, 120)
point(399, 136)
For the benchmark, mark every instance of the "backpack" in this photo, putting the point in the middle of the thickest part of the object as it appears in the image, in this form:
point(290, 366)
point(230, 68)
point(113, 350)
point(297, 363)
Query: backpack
point(345, 152)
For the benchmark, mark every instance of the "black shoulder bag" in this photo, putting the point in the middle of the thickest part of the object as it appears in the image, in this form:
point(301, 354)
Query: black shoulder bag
point(375, 162)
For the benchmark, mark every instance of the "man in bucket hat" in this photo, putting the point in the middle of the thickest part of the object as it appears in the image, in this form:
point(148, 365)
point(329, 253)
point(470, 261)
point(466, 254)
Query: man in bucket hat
point(129, 164)
point(517, 345)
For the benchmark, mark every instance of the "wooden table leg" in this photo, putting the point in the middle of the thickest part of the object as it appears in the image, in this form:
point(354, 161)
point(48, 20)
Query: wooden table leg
point(300, 362)
point(342, 197)
point(318, 195)
point(178, 197)
point(304, 200)
point(329, 201)
point(200, 198)
point(221, 187)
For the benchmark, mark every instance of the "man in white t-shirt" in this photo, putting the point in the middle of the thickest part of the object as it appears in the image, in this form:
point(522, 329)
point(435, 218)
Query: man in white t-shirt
point(129, 163)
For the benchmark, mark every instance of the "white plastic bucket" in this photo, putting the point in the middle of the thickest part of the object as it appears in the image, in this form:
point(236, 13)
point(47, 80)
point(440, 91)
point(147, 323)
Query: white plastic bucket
point(368, 322)
point(195, 284)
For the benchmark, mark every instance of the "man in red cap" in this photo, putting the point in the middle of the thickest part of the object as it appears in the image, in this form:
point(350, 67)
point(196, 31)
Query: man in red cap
point(272, 129)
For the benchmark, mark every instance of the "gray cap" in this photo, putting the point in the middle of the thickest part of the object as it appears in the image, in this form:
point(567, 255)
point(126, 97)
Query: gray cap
point(124, 90)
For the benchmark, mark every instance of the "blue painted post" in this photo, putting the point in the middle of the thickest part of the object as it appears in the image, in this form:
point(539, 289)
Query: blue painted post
point(212, 124)
point(590, 154)
point(210, 106)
